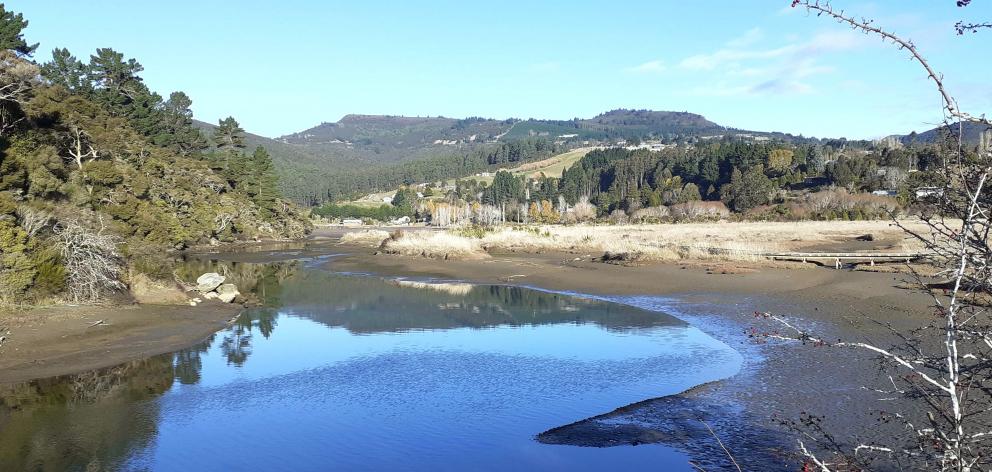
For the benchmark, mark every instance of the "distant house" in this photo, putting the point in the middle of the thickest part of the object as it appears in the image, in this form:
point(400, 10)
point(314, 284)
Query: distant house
point(387, 199)
point(885, 193)
point(927, 192)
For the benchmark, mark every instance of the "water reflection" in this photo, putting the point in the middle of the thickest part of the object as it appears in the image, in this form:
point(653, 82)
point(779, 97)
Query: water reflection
point(370, 305)
point(82, 422)
point(364, 373)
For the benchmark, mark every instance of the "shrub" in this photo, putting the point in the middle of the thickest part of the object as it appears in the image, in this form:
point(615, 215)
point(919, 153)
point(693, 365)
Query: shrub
point(651, 214)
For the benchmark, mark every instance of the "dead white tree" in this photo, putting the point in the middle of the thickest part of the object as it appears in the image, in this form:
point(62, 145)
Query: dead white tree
point(33, 221)
point(17, 79)
point(92, 264)
point(943, 370)
point(81, 150)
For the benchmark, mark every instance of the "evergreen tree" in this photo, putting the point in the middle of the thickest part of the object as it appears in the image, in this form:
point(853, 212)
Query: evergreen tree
point(228, 136)
point(261, 181)
point(505, 187)
point(11, 36)
point(109, 71)
point(68, 71)
point(746, 190)
point(229, 158)
point(180, 134)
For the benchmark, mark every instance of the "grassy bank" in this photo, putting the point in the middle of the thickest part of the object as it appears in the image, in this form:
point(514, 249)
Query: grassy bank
point(657, 242)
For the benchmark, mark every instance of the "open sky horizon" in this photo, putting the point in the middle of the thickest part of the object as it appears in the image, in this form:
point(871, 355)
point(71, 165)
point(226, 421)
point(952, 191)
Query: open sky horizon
point(287, 67)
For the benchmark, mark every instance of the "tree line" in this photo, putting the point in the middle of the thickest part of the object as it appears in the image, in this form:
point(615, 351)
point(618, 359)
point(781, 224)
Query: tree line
point(100, 176)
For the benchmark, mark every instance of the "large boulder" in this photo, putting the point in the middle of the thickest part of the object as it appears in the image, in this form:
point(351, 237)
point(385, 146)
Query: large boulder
point(208, 282)
point(227, 293)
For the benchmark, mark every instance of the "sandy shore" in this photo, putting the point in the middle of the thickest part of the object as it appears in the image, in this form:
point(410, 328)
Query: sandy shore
point(49, 341)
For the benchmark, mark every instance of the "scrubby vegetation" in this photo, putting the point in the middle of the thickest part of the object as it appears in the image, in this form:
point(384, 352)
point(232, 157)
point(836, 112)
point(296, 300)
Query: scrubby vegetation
point(100, 176)
point(730, 177)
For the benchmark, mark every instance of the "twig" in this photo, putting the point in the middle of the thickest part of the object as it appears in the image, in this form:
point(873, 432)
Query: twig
point(725, 450)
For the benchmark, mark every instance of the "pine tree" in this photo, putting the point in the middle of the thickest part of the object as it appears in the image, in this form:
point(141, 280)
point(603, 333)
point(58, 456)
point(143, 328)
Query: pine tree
point(181, 135)
point(68, 71)
point(228, 136)
point(11, 36)
point(262, 181)
point(229, 158)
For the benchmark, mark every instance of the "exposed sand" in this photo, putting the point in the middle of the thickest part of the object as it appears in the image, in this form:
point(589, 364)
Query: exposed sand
point(49, 341)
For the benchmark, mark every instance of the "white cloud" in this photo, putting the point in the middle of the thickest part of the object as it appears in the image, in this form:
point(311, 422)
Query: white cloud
point(773, 70)
point(654, 67)
point(752, 36)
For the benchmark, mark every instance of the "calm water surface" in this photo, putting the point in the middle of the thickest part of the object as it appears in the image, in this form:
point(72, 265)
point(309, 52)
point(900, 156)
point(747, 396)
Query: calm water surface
point(359, 373)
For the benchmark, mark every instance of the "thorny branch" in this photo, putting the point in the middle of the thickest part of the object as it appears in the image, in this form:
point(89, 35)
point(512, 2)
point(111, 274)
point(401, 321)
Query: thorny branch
point(948, 417)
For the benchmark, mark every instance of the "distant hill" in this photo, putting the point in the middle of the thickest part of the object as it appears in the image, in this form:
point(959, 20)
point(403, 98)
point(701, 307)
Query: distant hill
point(360, 153)
point(621, 124)
point(971, 134)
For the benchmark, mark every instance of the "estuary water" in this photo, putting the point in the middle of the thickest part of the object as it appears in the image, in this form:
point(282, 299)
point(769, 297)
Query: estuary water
point(352, 372)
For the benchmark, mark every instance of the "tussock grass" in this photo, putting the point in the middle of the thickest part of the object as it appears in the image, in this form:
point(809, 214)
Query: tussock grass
point(433, 244)
point(713, 241)
point(368, 237)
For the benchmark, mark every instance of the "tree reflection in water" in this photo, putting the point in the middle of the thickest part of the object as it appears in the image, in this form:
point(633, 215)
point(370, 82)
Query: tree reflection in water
point(88, 422)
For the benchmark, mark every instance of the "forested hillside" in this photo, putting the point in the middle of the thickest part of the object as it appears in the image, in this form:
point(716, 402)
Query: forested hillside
point(101, 176)
point(365, 153)
point(729, 177)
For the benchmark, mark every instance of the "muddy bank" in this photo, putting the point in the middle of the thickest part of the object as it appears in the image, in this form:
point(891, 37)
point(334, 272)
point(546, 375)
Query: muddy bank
point(51, 341)
point(58, 340)
point(778, 382)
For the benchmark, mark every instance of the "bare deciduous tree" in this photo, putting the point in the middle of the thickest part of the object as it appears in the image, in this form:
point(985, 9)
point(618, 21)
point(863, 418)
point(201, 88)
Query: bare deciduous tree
point(92, 264)
point(33, 221)
point(942, 371)
point(17, 79)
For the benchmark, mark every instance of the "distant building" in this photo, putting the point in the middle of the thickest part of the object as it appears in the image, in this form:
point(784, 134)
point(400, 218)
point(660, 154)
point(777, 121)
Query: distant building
point(926, 192)
point(351, 222)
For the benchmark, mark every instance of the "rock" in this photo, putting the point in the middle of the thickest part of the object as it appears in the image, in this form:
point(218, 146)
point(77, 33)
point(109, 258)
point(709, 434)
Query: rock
point(192, 303)
point(209, 281)
point(866, 237)
point(227, 293)
point(145, 290)
point(210, 295)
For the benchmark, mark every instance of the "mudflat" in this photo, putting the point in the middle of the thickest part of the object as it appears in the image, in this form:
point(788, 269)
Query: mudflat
point(778, 383)
point(49, 341)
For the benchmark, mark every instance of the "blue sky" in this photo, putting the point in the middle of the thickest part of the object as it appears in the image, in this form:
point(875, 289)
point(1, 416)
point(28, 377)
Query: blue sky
point(281, 67)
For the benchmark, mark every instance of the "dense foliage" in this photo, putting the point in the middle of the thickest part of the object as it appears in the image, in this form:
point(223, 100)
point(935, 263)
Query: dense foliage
point(756, 179)
point(315, 187)
point(88, 151)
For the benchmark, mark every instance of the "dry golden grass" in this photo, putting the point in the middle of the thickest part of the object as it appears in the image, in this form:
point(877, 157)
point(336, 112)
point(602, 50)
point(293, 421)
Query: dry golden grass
point(713, 241)
point(435, 245)
point(368, 237)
